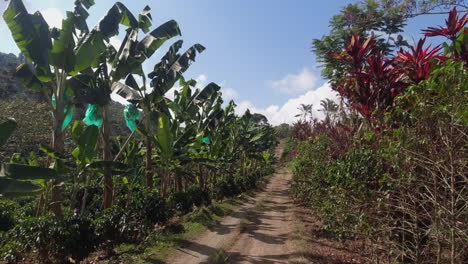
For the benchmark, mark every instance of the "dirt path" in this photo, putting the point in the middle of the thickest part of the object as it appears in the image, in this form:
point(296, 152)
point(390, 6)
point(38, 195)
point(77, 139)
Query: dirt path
point(256, 233)
point(264, 238)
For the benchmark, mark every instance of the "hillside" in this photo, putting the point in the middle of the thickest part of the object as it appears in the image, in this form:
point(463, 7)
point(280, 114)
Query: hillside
point(10, 88)
point(28, 107)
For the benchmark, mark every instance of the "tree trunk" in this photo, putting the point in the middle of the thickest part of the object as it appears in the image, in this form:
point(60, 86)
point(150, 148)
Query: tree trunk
point(58, 146)
point(149, 152)
point(108, 181)
point(149, 165)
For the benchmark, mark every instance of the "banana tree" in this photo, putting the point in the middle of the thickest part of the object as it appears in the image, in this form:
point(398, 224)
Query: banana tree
point(53, 57)
point(154, 103)
point(122, 63)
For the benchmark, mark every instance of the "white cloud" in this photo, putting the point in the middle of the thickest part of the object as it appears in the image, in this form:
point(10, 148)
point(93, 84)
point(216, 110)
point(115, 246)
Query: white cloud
point(201, 80)
point(294, 84)
point(229, 93)
point(286, 113)
point(53, 17)
point(114, 41)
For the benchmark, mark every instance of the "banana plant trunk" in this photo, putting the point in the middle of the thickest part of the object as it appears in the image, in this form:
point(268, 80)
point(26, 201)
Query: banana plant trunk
point(149, 152)
point(108, 181)
point(58, 146)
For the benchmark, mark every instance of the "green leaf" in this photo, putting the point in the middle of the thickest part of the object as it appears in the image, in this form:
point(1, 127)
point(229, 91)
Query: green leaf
point(126, 92)
point(25, 172)
point(158, 37)
point(31, 34)
point(88, 50)
point(6, 130)
point(88, 141)
point(77, 131)
point(164, 136)
point(9, 187)
point(62, 54)
point(51, 153)
point(144, 19)
point(109, 166)
point(27, 77)
point(93, 45)
point(210, 89)
point(171, 67)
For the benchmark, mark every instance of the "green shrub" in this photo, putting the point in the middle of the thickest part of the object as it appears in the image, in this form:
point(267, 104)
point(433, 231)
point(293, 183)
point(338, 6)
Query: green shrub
point(199, 196)
point(55, 239)
point(180, 203)
point(340, 190)
point(7, 211)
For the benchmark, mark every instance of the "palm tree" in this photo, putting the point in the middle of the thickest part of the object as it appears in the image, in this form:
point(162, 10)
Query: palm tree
point(306, 111)
point(329, 107)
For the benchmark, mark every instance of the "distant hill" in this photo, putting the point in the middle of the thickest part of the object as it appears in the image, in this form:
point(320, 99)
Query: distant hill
point(10, 88)
point(31, 112)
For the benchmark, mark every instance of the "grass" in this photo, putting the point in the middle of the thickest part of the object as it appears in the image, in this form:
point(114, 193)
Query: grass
point(298, 240)
point(159, 245)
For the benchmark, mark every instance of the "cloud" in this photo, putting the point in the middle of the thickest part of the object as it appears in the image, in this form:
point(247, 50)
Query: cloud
point(294, 84)
point(229, 93)
point(286, 113)
point(115, 42)
point(53, 17)
point(201, 80)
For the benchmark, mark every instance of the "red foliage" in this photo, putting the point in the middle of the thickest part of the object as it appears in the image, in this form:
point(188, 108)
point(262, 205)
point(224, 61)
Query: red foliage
point(340, 135)
point(374, 80)
point(357, 52)
point(454, 25)
point(302, 130)
point(417, 62)
point(372, 87)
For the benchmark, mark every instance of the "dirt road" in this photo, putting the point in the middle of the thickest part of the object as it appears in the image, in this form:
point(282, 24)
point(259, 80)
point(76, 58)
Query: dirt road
point(256, 233)
point(264, 238)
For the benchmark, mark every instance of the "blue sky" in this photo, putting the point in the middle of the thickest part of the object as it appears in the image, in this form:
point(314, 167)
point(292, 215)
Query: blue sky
point(257, 50)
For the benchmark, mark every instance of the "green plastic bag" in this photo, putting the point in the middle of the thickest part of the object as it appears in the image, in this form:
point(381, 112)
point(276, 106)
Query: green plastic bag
point(206, 140)
point(68, 112)
point(131, 115)
point(93, 116)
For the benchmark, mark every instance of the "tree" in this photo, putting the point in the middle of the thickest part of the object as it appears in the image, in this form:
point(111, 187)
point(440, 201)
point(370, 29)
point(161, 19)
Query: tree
point(260, 119)
point(54, 58)
point(329, 107)
point(306, 111)
point(122, 63)
point(381, 19)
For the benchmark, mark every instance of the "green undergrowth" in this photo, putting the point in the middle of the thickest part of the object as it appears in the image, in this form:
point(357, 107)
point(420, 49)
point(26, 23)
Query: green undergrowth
point(160, 245)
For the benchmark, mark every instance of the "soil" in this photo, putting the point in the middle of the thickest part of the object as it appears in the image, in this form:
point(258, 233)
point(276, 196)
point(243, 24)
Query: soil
point(320, 248)
point(261, 231)
point(264, 239)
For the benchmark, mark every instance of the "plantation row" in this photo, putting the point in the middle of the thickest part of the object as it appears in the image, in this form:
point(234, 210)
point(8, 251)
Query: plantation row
point(86, 190)
point(388, 166)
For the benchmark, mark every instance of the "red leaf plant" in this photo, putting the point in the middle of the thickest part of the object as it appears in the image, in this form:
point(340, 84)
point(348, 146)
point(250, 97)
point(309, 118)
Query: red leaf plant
point(302, 130)
point(375, 81)
point(453, 23)
point(357, 51)
point(417, 61)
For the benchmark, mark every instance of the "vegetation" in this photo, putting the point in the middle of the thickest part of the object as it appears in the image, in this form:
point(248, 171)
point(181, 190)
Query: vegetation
point(92, 186)
point(390, 169)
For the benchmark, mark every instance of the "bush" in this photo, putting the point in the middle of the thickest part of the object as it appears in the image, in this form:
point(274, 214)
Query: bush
point(224, 187)
point(7, 211)
point(180, 203)
point(341, 190)
point(55, 239)
point(133, 215)
point(199, 196)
